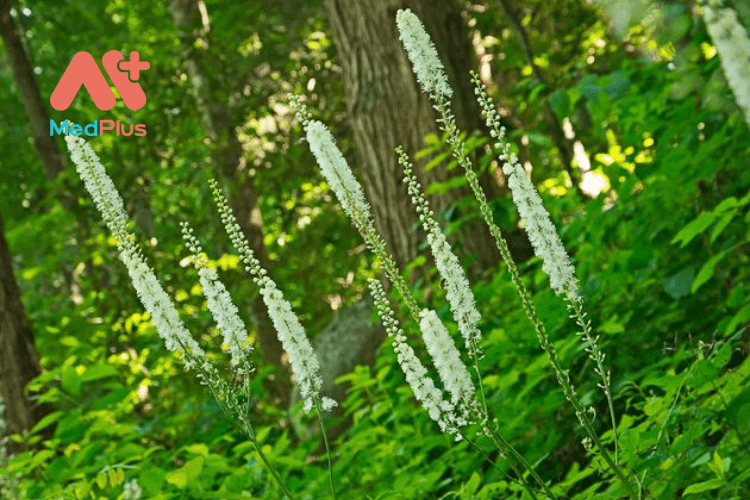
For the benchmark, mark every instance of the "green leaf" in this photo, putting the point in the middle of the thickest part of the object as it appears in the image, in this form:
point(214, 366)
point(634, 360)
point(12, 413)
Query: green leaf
point(706, 272)
point(612, 327)
point(717, 465)
point(71, 380)
point(694, 228)
point(560, 103)
point(439, 188)
point(738, 409)
point(152, 478)
point(741, 316)
point(98, 371)
point(38, 459)
point(114, 476)
point(473, 485)
point(678, 285)
point(47, 420)
point(704, 486)
point(186, 474)
point(437, 160)
point(723, 223)
point(197, 449)
point(101, 480)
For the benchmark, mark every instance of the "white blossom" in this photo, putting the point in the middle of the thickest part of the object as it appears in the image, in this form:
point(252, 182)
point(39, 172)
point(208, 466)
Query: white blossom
point(158, 304)
point(225, 313)
point(290, 331)
point(98, 184)
point(438, 408)
point(457, 288)
point(219, 301)
point(155, 300)
point(422, 53)
point(542, 233)
point(733, 45)
point(132, 490)
point(335, 169)
point(453, 373)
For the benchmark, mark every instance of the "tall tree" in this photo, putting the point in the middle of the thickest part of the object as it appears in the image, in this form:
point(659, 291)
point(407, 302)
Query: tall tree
point(387, 108)
point(45, 145)
point(193, 25)
point(19, 362)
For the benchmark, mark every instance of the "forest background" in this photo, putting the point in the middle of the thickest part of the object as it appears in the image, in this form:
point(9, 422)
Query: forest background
point(619, 110)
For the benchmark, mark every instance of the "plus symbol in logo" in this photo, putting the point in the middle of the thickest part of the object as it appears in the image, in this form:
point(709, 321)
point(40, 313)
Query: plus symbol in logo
point(134, 66)
point(83, 70)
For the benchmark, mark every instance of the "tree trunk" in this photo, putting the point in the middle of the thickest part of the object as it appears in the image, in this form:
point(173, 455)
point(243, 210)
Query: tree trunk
point(45, 145)
point(19, 362)
point(192, 23)
point(387, 108)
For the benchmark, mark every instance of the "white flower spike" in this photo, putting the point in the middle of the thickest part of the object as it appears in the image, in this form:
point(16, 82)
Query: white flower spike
point(422, 53)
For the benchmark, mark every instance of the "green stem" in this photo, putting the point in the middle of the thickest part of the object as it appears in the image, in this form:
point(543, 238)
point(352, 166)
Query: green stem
point(328, 449)
point(271, 469)
point(447, 124)
point(506, 448)
point(504, 473)
point(598, 357)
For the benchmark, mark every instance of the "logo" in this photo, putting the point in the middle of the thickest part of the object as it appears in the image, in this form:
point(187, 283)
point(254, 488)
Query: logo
point(96, 128)
point(83, 70)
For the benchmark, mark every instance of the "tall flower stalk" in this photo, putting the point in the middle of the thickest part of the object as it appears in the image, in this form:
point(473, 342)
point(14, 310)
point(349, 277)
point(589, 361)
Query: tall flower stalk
point(446, 357)
point(302, 357)
point(169, 325)
point(430, 74)
point(547, 244)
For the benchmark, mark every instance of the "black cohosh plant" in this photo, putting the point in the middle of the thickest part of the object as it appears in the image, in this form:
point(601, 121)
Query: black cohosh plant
point(454, 402)
point(461, 408)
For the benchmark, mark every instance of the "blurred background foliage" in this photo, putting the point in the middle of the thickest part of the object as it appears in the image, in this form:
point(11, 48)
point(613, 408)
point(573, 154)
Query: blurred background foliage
point(660, 240)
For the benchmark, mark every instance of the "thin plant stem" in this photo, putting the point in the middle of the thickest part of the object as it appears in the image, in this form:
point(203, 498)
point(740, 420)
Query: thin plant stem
point(492, 463)
point(447, 124)
point(272, 470)
point(592, 347)
point(503, 443)
point(328, 449)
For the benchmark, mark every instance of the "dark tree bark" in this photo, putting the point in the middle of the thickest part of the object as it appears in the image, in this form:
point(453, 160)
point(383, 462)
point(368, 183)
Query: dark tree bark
point(35, 107)
point(191, 20)
point(387, 108)
point(19, 362)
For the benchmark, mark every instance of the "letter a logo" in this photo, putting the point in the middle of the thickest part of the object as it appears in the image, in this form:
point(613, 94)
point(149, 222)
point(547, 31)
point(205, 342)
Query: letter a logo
point(83, 70)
